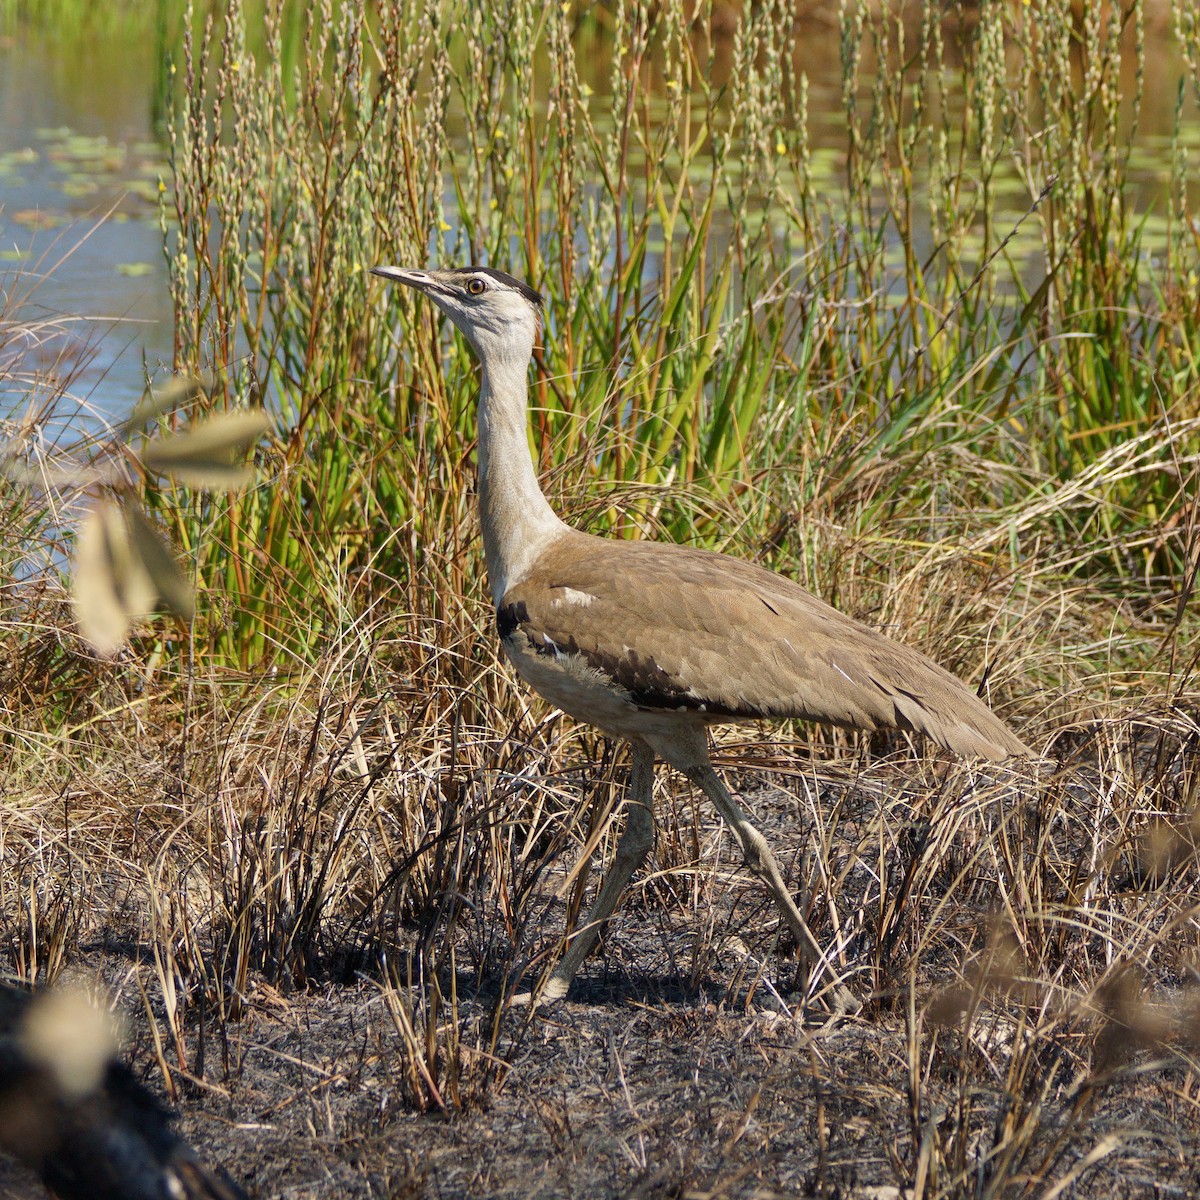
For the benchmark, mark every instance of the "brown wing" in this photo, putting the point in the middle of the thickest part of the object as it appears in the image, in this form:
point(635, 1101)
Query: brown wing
point(679, 628)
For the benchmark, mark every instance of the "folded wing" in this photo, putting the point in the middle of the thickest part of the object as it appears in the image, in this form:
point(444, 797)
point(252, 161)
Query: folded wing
point(679, 628)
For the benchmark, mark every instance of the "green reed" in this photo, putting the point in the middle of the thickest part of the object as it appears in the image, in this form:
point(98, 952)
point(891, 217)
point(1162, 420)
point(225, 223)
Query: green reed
point(726, 308)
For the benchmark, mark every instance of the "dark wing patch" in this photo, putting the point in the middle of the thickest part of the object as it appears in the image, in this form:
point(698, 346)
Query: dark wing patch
point(509, 617)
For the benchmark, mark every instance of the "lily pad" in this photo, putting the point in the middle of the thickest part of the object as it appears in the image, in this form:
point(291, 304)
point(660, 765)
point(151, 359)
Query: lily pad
point(77, 186)
point(38, 218)
point(15, 158)
point(135, 269)
point(143, 189)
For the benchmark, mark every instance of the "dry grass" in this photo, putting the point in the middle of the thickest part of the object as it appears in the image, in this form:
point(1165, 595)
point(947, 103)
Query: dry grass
point(313, 843)
point(315, 895)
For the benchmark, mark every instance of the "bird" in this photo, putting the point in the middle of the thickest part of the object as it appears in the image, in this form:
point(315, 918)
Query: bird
point(654, 642)
point(74, 1112)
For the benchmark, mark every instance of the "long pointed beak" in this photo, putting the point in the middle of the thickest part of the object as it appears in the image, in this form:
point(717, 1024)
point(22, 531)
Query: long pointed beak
point(421, 280)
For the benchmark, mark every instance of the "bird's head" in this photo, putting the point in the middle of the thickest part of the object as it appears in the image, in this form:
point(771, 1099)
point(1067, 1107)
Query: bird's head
point(499, 315)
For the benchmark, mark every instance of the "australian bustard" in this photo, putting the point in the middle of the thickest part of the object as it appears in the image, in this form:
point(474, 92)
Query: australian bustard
point(651, 642)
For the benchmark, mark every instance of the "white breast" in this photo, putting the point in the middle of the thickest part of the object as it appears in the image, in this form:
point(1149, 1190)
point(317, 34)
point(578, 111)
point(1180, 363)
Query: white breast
point(568, 681)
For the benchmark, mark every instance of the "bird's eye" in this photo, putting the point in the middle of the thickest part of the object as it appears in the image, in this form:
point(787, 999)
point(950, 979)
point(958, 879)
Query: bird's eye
point(476, 287)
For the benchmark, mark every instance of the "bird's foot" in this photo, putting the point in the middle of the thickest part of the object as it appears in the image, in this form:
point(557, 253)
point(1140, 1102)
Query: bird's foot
point(843, 1002)
point(832, 1003)
point(554, 990)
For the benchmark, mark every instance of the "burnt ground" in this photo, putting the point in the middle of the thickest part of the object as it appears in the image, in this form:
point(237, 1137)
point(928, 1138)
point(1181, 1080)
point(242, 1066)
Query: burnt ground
point(672, 1072)
point(635, 1093)
point(640, 1096)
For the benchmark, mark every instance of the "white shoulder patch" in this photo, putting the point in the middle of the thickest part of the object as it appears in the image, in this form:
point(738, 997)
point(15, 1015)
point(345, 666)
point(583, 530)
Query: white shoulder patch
point(569, 595)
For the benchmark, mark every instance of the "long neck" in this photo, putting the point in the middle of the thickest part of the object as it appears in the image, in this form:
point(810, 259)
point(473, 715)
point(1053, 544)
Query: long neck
point(518, 522)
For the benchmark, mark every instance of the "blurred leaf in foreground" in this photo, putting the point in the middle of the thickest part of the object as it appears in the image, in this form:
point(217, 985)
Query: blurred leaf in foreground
point(164, 397)
point(172, 590)
point(123, 571)
point(207, 454)
point(110, 585)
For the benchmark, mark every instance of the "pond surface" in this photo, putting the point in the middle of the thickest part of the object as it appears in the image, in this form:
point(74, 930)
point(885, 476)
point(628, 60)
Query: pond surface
point(80, 166)
point(82, 163)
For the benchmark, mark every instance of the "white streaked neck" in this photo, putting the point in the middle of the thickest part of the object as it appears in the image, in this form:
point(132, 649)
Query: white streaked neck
point(518, 522)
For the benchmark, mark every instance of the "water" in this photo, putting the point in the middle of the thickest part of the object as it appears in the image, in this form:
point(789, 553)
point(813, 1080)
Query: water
point(80, 165)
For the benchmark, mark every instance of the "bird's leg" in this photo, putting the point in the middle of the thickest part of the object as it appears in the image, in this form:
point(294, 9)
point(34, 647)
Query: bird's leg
point(633, 848)
point(761, 861)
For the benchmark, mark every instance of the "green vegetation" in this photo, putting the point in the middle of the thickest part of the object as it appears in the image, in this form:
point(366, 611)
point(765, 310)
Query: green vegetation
point(943, 367)
point(727, 307)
